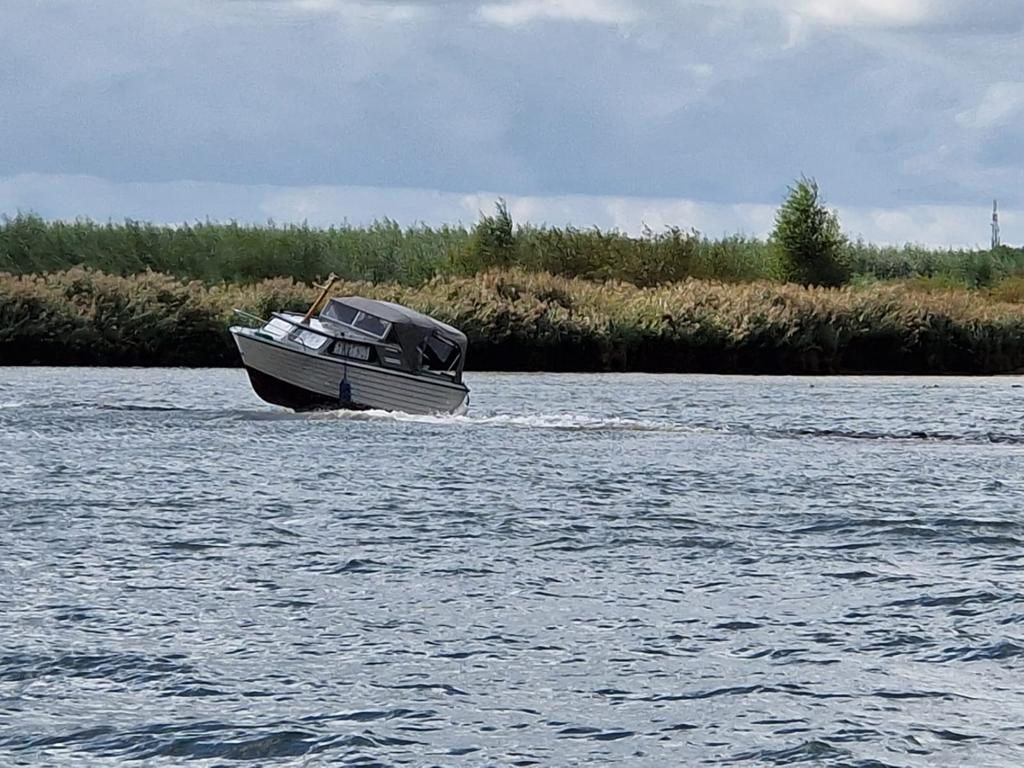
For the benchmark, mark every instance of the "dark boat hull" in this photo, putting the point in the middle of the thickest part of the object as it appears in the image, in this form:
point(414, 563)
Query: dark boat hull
point(277, 392)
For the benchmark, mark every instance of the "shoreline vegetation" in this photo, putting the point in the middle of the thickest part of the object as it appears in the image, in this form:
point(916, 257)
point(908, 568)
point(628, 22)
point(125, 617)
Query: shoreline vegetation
point(804, 301)
point(516, 320)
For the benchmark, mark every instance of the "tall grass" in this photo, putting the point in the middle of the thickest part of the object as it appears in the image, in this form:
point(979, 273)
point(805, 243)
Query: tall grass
point(518, 320)
point(387, 252)
point(382, 252)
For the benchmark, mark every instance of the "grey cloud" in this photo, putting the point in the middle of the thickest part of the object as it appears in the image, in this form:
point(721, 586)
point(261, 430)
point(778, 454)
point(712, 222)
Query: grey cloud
point(967, 17)
point(691, 99)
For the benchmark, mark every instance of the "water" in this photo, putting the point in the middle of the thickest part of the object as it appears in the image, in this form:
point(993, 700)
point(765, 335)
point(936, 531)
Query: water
point(584, 570)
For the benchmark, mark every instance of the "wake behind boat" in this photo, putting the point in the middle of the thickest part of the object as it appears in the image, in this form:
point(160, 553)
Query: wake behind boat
point(356, 353)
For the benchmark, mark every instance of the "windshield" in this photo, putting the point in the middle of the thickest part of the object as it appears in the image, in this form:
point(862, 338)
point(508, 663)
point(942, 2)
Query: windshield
point(372, 325)
point(339, 313)
point(353, 318)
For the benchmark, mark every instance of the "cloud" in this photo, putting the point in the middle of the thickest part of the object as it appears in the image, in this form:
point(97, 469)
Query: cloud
point(861, 13)
point(69, 197)
point(937, 226)
point(805, 17)
point(610, 99)
point(375, 11)
point(1001, 103)
point(519, 12)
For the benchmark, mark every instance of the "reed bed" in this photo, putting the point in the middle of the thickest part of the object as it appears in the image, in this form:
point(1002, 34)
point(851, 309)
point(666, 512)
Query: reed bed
point(213, 253)
point(386, 252)
point(518, 320)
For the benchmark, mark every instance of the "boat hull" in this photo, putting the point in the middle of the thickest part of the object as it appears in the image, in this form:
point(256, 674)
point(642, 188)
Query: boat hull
point(277, 392)
point(283, 375)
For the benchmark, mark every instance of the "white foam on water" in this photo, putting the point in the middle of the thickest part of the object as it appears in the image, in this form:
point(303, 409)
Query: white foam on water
point(561, 421)
point(13, 404)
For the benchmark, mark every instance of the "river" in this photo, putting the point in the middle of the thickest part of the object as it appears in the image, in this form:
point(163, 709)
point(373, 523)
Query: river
point(582, 570)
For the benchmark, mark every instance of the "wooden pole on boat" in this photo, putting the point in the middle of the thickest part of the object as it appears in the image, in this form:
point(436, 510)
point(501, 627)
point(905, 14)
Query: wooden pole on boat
point(319, 299)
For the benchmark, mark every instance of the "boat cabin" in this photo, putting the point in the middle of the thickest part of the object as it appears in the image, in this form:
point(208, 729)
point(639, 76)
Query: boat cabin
point(408, 339)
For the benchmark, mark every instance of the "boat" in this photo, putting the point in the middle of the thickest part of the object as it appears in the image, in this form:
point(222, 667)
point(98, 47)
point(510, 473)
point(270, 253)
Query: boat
point(355, 353)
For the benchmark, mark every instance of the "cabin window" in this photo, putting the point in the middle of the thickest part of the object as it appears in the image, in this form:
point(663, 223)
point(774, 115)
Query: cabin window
point(361, 321)
point(340, 312)
point(372, 325)
point(439, 354)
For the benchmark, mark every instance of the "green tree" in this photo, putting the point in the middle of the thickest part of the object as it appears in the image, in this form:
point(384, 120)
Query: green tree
point(809, 239)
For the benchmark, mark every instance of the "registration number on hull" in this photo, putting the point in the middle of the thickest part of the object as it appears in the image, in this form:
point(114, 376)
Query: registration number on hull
point(348, 349)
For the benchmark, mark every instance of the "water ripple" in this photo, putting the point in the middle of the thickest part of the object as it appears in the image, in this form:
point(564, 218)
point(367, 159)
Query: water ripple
point(583, 570)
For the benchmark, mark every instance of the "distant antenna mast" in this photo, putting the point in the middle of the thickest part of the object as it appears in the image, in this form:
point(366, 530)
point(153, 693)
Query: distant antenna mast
point(995, 224)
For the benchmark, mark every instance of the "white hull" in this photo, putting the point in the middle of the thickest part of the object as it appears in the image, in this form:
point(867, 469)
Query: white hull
point(320, 376)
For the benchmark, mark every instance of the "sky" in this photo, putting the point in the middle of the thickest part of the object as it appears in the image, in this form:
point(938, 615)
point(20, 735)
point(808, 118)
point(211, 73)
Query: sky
point(610, 113)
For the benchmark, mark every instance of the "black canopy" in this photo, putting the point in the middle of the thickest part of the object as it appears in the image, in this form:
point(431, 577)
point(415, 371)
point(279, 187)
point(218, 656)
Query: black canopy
point(411, 328)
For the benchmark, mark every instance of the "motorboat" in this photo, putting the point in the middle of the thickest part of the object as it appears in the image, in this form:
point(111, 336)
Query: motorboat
point(356, 353)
